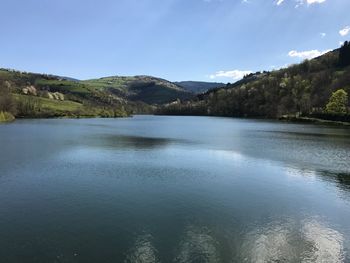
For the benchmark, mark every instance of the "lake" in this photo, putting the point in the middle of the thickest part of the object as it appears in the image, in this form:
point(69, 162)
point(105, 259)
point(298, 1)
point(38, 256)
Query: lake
point(173, 189)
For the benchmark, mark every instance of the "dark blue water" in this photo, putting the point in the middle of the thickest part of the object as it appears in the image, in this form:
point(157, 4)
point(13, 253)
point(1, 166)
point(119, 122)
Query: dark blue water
point(173, 189)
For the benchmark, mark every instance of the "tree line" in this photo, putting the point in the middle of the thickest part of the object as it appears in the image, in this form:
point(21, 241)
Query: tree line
point(305, 89)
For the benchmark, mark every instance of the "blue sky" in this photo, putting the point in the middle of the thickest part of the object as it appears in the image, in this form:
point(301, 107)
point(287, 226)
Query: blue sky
point(210, 40)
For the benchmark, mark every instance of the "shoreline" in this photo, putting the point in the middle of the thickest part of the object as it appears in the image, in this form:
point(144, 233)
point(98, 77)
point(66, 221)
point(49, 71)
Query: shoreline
point(313, 121)
point(280, 119)
point(62, 117)
point(286, 119)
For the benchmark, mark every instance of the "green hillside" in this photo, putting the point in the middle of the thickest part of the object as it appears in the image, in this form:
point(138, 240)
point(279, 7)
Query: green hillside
point(147, 89)
point(315, 88)
point(304, 89)
point(199, 87)
point(38, 95)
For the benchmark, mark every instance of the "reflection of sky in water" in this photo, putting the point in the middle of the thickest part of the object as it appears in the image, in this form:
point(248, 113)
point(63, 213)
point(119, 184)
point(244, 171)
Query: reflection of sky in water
point(307, 241)
point(326, 243)
point(205, 189)
point(142, 251)
point(197, 245)
point(300, 174)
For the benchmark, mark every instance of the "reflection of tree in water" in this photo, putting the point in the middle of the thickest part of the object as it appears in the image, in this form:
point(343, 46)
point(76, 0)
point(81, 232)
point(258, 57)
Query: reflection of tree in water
point(341, 179)
point(130, 142)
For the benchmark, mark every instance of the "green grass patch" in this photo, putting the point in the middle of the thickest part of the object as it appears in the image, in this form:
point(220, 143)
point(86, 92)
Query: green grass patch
point(50, 104)
point(64, 86)
point(6, 117)
point(38, 107)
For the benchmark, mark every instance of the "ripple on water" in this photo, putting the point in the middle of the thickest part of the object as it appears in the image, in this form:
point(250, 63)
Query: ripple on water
point(142, 251)
point(308, 241)
point(198, 245)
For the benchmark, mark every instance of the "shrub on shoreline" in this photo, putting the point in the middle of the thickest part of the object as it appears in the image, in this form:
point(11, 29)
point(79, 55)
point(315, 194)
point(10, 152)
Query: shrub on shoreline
point(6, 116)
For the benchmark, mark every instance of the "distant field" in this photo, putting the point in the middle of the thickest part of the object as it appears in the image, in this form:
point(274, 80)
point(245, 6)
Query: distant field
point(54, 104)
point(64, 86)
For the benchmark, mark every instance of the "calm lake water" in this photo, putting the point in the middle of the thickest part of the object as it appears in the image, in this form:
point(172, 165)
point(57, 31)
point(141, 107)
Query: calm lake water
point(173, 189)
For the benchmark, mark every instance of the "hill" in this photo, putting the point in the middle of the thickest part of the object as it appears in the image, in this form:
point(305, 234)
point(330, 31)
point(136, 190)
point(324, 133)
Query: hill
point(199, 87)
point(298, 90)
point(39, 95)
point(147, 89)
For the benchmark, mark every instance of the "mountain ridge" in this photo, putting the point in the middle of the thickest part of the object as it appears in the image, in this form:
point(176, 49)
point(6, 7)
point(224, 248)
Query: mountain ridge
point(302, 89)
point(199, 87)
point(47, 95)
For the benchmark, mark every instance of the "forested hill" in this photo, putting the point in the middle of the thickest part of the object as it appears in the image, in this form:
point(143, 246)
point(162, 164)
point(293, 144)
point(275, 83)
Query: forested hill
point(316, 88)
point(24, 94)
point(199, 87)
point(304, 89)
point(150, 90)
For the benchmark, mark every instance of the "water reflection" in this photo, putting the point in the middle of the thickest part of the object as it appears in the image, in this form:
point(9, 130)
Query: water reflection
point(302, 147)
point(312, 135)
point(130, 142)
point(255, 194)
point(198, 245)
point(303, 173)
point(325, 243)
point(342, 180)
point(143, 251)
point(268, 244)
point(307, 241)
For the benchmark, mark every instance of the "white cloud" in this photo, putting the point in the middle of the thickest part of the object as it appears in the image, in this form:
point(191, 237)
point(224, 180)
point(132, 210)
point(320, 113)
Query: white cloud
point(233, 74)
point(310, 2)
point(309, 54)
point(299, 3)
point(343, 32)
point(279, 2)
point(323, 35)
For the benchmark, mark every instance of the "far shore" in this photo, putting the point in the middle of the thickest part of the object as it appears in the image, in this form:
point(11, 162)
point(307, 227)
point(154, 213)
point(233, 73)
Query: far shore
point(290, 119)
point(313, 120)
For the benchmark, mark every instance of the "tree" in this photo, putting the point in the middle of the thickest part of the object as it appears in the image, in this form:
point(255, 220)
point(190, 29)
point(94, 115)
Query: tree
point(344, 54)
point(338, 102)
point(28, 106)
point(7, 103)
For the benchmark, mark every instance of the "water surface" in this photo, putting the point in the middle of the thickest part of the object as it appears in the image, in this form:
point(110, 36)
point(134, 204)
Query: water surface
point(173, 189)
